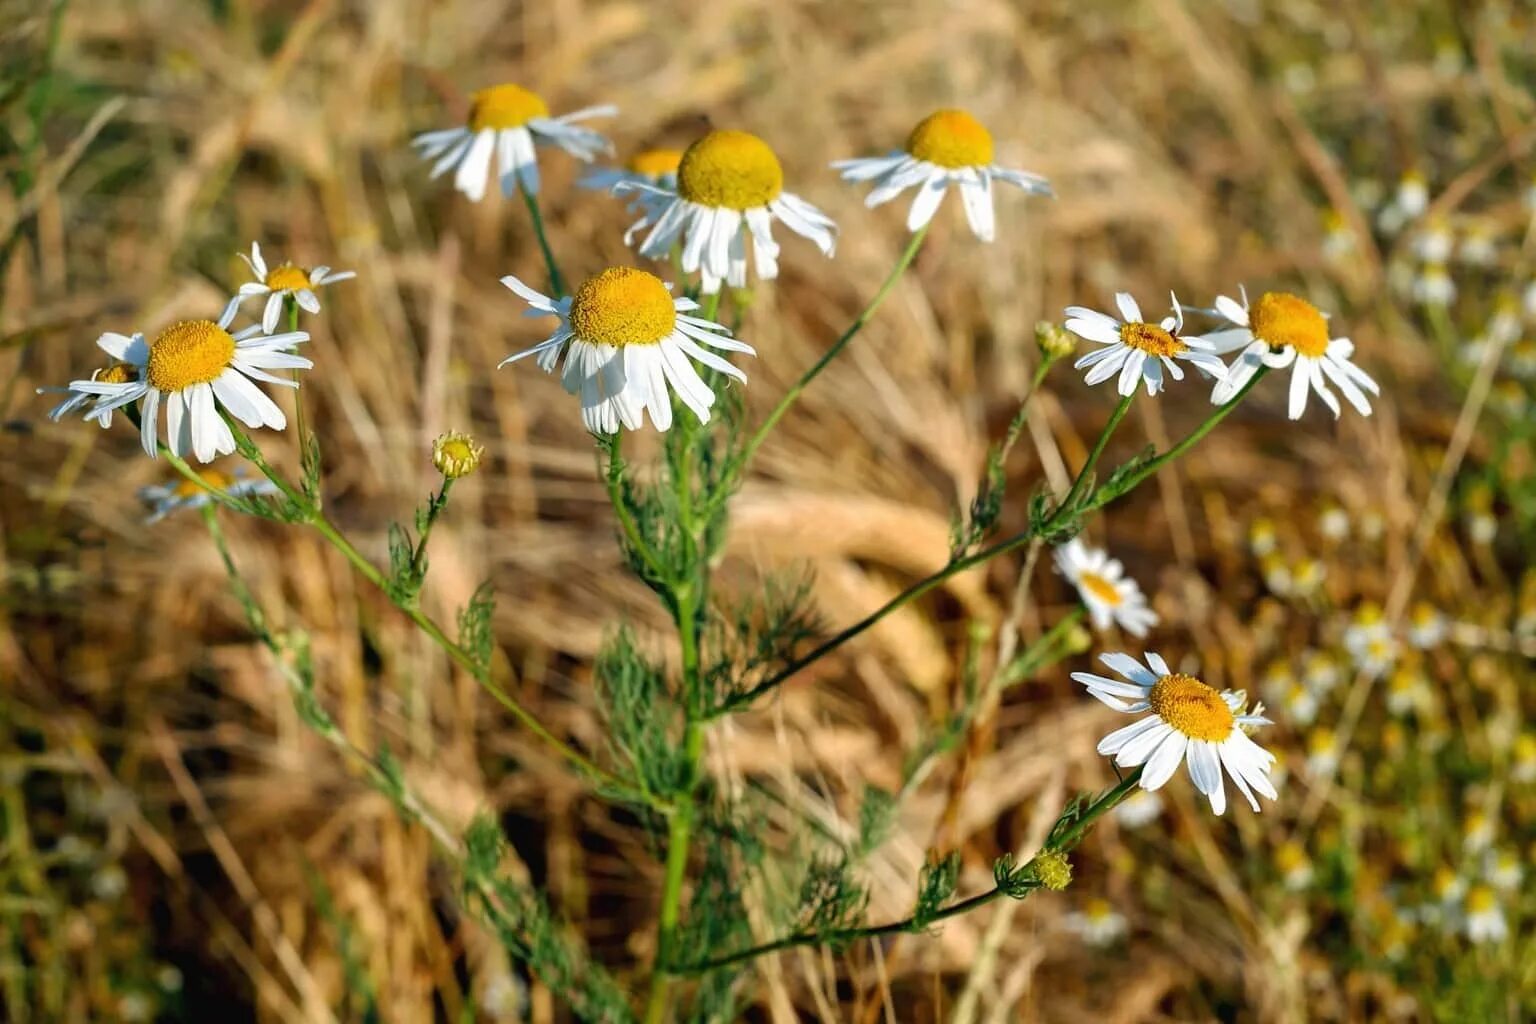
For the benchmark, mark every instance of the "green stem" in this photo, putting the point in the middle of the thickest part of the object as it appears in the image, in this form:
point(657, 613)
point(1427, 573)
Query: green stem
point(556, 280)
point(298, 392)
point(1086, 473)
point(709, 309)
point(842, 936)
point(854, 328)
point(434, 509)
point(614, 481)
point(1016, 425)
point(1002, 547)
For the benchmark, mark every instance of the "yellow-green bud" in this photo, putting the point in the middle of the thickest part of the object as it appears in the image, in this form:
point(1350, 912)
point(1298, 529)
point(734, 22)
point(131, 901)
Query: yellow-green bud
point(1078, 640)
point(455, 454)
point(1053, 870)
point(1055, 341)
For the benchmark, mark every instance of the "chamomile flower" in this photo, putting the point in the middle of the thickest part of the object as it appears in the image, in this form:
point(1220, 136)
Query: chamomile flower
point(1262, 538)
point(1476, 832)
point(1322, 752)
point(506, 123)
point(1189, 721)
point(1427, 626)
point(627, 344)
point(1433, 241)
point(1478, 248)
point(1110, 596)
point(1138, 809)
point(1522, 359)
point(1522, 766)
point(1320, 671)
point(1504, 870)
point(1408, 692)
point(1484, 921)
point(1307, 577)
point(656, 168)
point(117, 373)
point(1433, 286)
point(1300, 705)
point(164, 499)
point(730, 189)
point(1281, 330)
point(1294, 866)
point(1333, 522)
point(1098, 924)
point(193, 368)
point(1137, 350)
point(947, 148)
point(1412, 194)
point(1370, 642)
point(283, 281)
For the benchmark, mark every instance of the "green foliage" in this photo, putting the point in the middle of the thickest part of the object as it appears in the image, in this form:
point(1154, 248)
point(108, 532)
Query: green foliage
point(831, 900)
point(935, 886)
point(360, 999)
point(717, 920)
point(642, 715)
point(877, 813)
point(967, 532)
point(475, 635)
point(755, 639)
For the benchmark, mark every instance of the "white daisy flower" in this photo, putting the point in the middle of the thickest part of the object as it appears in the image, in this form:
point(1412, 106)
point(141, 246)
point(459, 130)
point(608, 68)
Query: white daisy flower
point(1333, 522)
point(1280, 330)
point(626, 340)
point(285, 280)
point(1427, 626)
point(195, 367)
point(183, 493)
point(1300, 705)
point(1320, 671)
point(1505, 870)
point(1322, 752)
point(1477, 831)
point(1138, 809)
point(1137, 350)
point(949, 147)
point(117, 373)
point(1408, 692)
point(1433, 286)
point(1522, 767)
point(730, 188)
point(1484, 920)
point(1098, 924)
point(1433, 242)
point(1370, 642)
point(506, 123)
point(1110, 595)
point(1294, 866)
point(1479, 247)
point(1413, 194)
point(1189, 720)
point(656, 168)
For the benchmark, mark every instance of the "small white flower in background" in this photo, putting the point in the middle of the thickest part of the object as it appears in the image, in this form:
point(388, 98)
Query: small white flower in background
point(1408, 692)
point(626, 341)
point(1369, 640)
point(506, 123)
point(1476, 832)
point(947, 148)
point(1509, 397)
point(1136, 350)
point(134, 1007)
point(169, 978)
point(656, 168)
point(504, 997)
point(1504, 870)
point(1110, 595)
point(730, 189)
point(1294, 866)
point(1281, 330)
point(1505, 323)
point(194, 367)
point(1333, 522)
point(1338, 238)
point(1098, 924)
point(1412, 194)
point(1321, 672)
point(1322, 752)
point(1521, 359)
point(117, 373)
point(1447, 887)
point(109, 882)
point(1433, 241)
point(1300, 705)
point(1484, 917)
point(285, 280)
point(1138, 809)
point(1277, 681)
point(1390, 219)
point(1307, 577)
point(1277, 574)
point(1189, 721)
point(1427, 626)
point(1261, 537)
point(1433, 286)
point(164, 499)
point(1522, 766)
point(1478, 246)
point(1528, 301)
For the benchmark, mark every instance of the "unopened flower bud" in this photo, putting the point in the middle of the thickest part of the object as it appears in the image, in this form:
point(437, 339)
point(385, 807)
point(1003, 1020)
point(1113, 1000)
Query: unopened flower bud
point(1053, 870)
point(1055, 341)
point(455, 454)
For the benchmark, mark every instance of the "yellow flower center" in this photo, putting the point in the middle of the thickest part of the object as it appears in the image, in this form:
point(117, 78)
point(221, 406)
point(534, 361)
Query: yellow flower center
point(187, 353)
point(505, 106)
point(1191, 707)
point(120, 373)
point(1151, 339)
point(287, 277)
point(1099, 587)
point(654, 163)
point(456, 454)
point(730, 169)
point(1097, 910)
point(1282, 319)
point(1290, 857)
point(212, 477)
point(1480, 900)
point(623, 306)
point(951, 138)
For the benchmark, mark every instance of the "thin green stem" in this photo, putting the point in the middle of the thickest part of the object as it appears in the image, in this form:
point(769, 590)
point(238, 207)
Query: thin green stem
point(1086, 473)
point(298, 392)
point(1016, 425)
point(556, 279)
point(613, 481)
point(709, 309)
point(434, 509)
point(841, 343)
point(841, 936)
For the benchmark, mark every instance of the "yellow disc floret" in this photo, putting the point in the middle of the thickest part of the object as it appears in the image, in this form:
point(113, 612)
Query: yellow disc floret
point(1099, 587)
point(951, 138)
point(118, 373)
point(1282, 319)
point(456, 454)
point(1191, 707)
point(1151, 339)
point(730, 169)
point(187, 353)
point(287, 277)
point(186, 489)
point(505, 106)
point(655, 163)
point(623, 306)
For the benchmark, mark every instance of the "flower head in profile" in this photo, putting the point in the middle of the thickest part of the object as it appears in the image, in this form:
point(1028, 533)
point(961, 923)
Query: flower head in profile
point(1138, 809)
point(283, 281)
point(195, 368)
point(506, 123)
point(947, 148)
point(163, 499)
point(1427, 626)
point(1280, 330)
point(730, 190)
point(655, 168)
point(1189, 722)
point(1135, 349)
point(1484, 921)
point(77, 399)
point(627, 345)
point(1110, 595)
